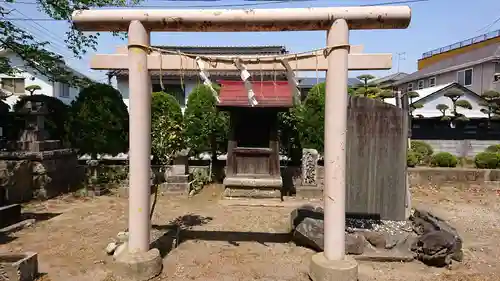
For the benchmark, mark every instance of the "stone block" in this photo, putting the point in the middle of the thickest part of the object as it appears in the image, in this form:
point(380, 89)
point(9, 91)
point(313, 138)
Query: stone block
point(439, 243)
point(310, 233)
point(256, 193)
point(309, 191)
point(19, 267)
point(10, 214)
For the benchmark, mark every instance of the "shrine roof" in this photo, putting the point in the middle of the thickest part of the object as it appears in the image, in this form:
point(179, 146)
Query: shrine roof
point(267, 93)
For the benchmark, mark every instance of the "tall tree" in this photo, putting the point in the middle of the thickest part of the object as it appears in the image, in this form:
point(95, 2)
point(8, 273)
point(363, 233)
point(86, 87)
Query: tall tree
point(385, 94)
point(490, 105)
point(366, 89)
point(166, 128)
point(33, 50)
point(454, 95)
point(205, 126)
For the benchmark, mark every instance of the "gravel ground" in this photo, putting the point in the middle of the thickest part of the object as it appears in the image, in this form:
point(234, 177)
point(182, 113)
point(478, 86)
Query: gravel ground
point(240, 243)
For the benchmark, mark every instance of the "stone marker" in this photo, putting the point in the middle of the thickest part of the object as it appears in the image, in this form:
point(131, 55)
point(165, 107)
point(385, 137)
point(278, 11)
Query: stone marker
point(310, 159)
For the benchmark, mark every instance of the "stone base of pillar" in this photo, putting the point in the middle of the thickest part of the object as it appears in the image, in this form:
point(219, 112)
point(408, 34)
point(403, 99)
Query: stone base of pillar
point(138, 266)
point(322, 269)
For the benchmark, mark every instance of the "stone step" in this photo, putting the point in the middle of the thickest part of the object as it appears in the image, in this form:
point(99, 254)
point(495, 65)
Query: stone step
point(235, 192)
point(174, 187)
point(178, 179)
point(288, 202)
point(308, 192)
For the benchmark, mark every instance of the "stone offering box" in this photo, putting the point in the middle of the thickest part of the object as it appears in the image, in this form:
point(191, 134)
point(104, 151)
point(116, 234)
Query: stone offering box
point(19, 267)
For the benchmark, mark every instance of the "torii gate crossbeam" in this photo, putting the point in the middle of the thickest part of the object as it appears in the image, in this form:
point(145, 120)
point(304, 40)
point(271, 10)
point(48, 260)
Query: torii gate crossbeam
point(337, 21)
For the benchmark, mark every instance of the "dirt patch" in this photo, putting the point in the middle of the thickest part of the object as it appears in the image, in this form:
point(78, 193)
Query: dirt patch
point(240, 243)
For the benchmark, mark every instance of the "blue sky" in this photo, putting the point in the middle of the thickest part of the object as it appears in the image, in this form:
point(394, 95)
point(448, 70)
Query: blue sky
point(434, 24)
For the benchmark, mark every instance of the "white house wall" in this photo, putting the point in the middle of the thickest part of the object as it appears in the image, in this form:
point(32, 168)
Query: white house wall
point(429, 107)
point(123, 88)
point(48, 87)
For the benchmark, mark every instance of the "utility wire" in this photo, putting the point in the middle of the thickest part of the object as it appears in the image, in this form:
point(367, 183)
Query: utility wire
point(267, 2)
point(487, 28)
point(257, 3)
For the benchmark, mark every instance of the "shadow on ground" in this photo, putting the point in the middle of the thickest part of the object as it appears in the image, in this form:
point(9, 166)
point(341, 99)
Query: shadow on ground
point(39, 217)
point(179, 231)
point(6, 238)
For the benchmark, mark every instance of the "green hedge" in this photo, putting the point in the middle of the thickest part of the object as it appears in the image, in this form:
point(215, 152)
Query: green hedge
point(411, 158)
point(493, 148)
point(487, 160)
point(422, 150)
point(444, 159)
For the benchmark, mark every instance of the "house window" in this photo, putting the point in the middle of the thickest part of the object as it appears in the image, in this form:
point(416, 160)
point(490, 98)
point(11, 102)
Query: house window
point(174, 90)
point(13, 85)
point(464, 77)
point(432, 81)
point(64, 91)
point(420, 84)
point(410, 87)
point(496, 75)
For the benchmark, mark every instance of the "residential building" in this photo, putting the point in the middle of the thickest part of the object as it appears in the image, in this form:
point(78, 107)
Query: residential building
point(17, 84)
point(473, 63)
point(389, 81)
point(306, 84)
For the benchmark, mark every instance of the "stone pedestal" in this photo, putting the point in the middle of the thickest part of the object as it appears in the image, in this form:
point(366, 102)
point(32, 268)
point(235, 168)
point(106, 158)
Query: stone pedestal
point(240, 187)
point(177, 176)
point(138, 266)
point(176, 184)
point(322, 269)
point(309, 187)
point(35, 166)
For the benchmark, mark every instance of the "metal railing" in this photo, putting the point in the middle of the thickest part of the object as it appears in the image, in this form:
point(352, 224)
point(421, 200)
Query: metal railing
point(463, 43)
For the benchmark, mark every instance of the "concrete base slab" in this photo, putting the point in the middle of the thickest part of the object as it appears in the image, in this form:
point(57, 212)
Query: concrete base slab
point(138, 266)
point(322, 269)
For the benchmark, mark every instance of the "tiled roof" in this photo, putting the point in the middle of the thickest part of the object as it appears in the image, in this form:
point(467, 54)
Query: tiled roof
point(481, 55)
point(267, 93)
point(395, 76)
point(309, 82)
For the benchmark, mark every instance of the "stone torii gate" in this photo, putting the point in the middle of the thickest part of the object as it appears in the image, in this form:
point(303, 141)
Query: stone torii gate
point(140, 262)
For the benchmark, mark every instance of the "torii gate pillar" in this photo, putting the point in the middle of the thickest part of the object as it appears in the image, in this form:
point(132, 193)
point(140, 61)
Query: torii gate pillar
point(141, 263)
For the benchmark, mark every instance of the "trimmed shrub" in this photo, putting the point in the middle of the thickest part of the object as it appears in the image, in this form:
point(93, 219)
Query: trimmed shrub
point(166, 127)
point(205, 127)
point(486, 160)
point(99, 121)
point(423, 150)
point(493, 148)
point(411, 158)
point(444, 159)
